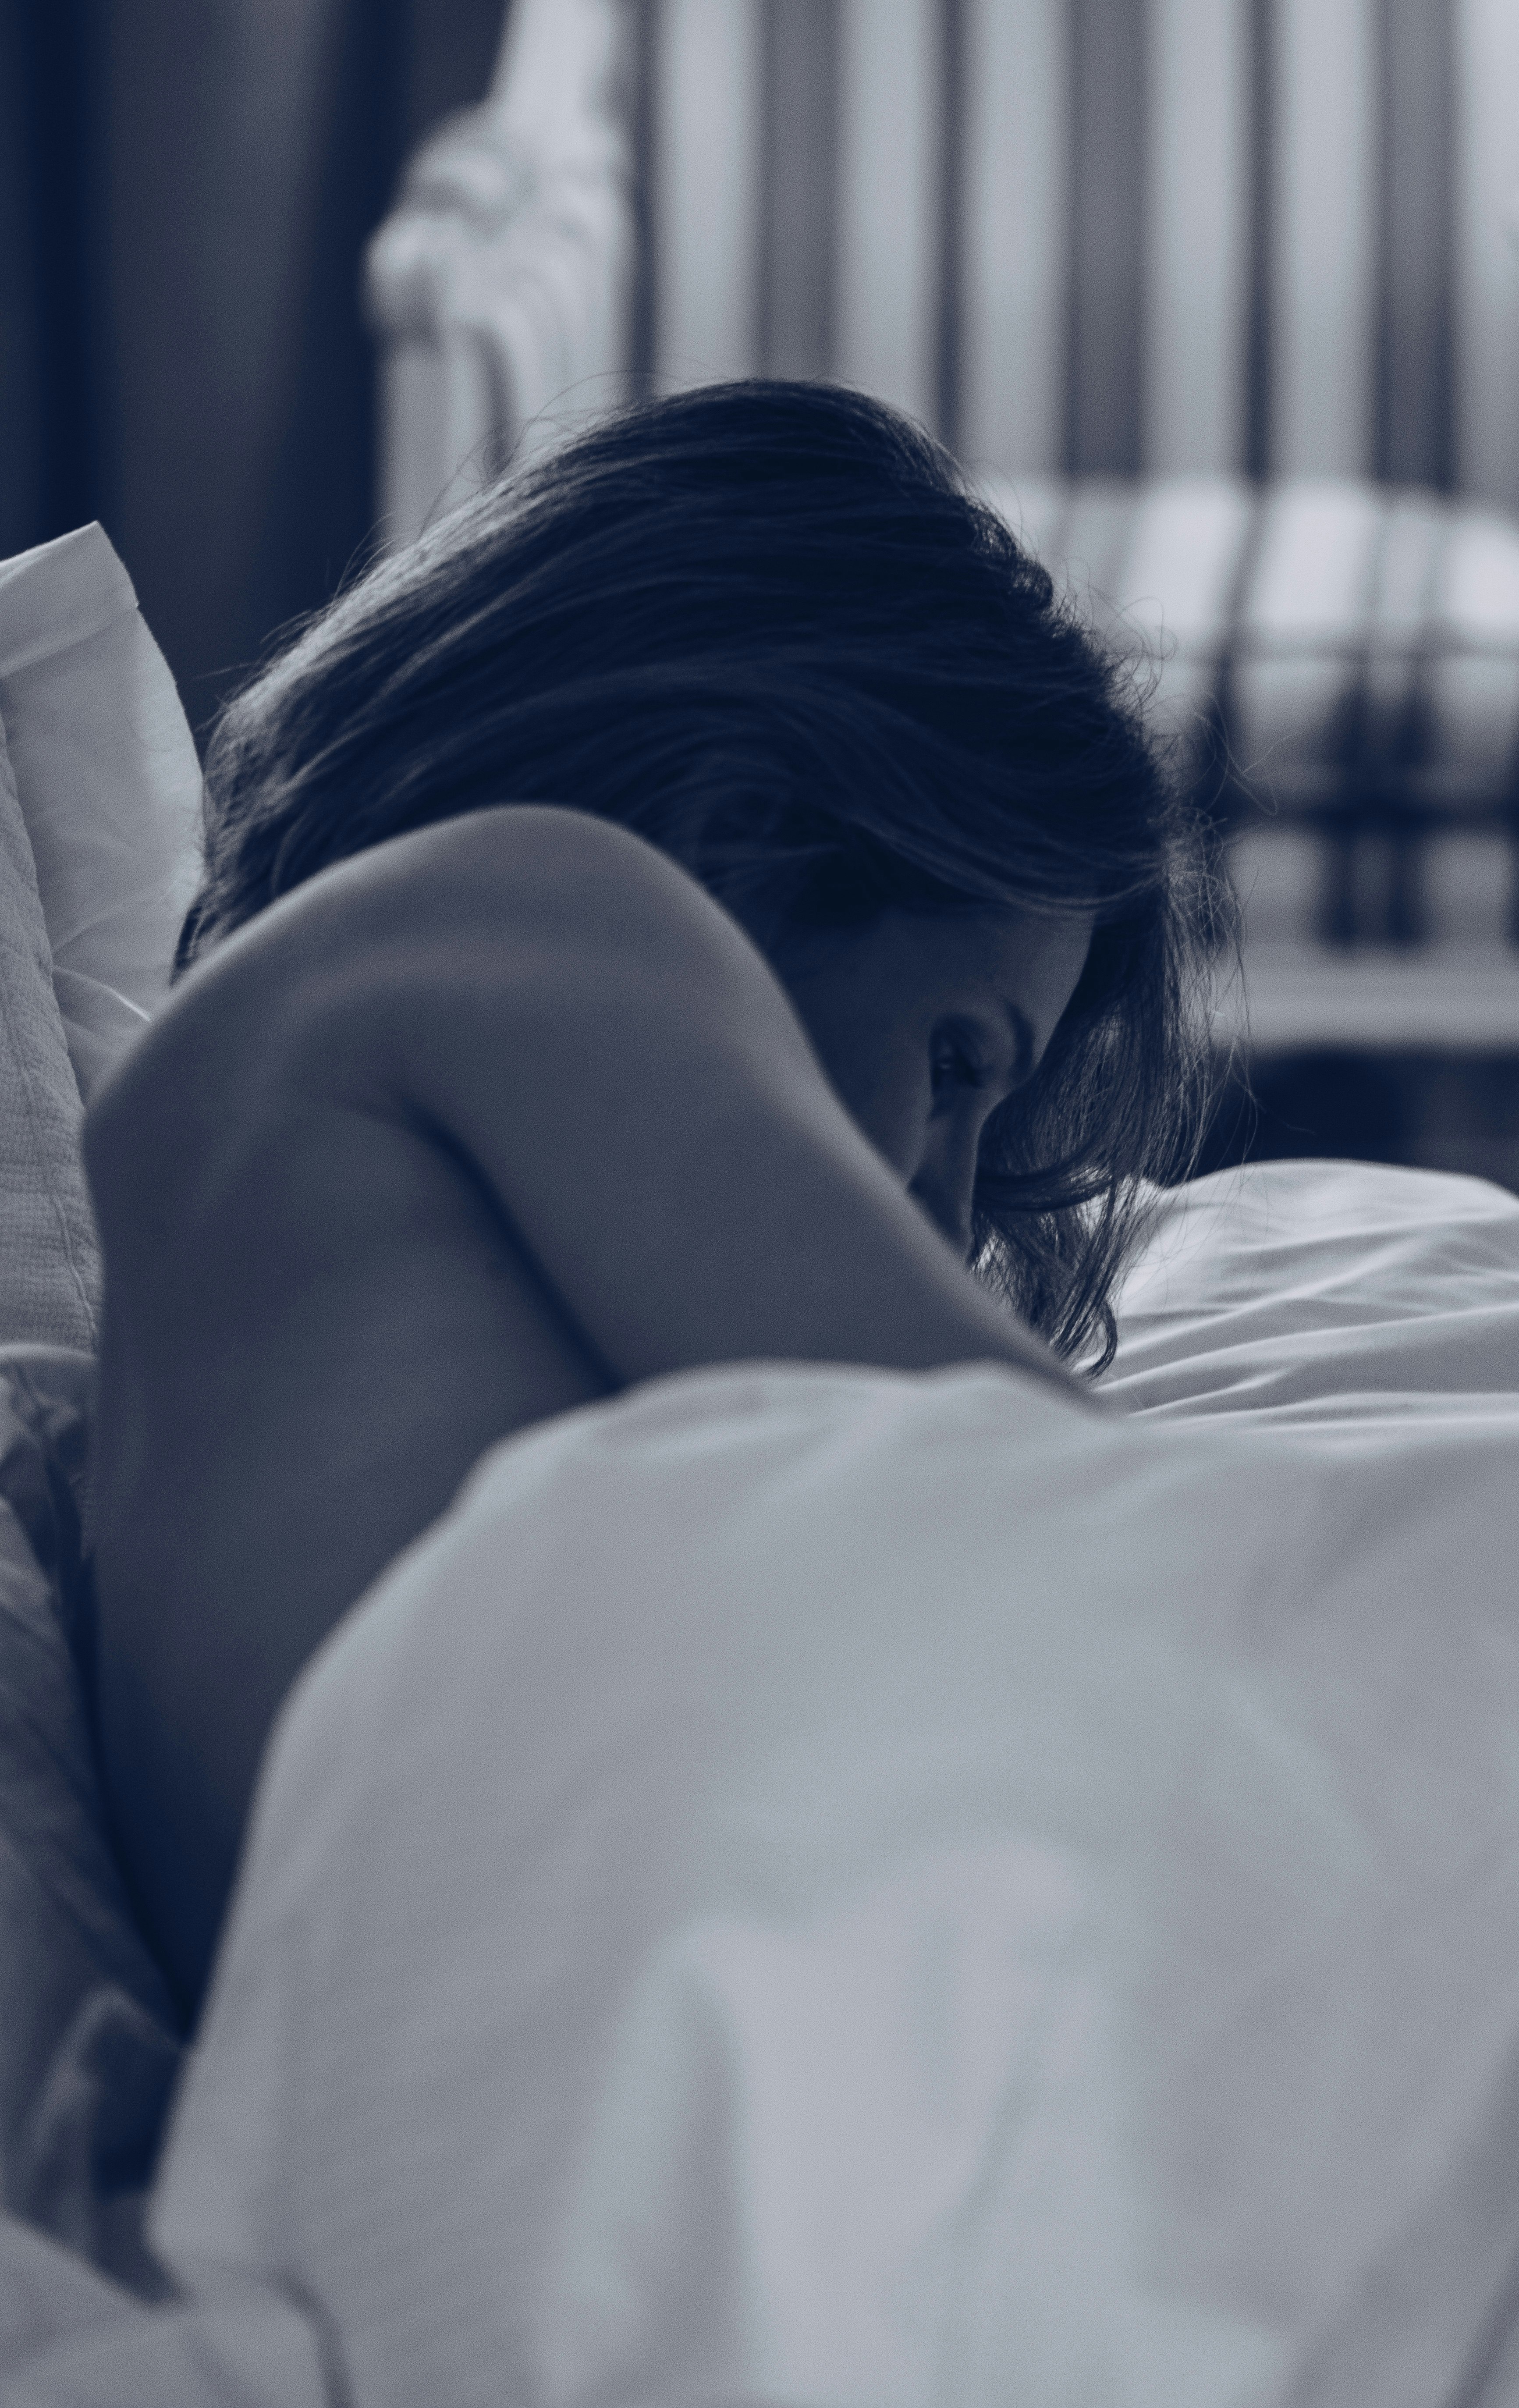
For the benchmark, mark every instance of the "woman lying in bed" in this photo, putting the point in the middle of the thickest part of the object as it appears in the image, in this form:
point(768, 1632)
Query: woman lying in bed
point(498, 1110)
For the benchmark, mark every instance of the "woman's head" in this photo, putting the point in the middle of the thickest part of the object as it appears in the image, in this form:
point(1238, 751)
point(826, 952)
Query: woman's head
point(766, 626)
point(929, 1025)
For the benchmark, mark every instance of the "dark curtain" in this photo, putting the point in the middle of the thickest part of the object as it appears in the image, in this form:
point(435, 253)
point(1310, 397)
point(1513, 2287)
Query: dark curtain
point(186, 188)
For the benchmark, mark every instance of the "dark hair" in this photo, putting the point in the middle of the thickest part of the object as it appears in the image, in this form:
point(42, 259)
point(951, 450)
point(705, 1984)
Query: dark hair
point(768, 626)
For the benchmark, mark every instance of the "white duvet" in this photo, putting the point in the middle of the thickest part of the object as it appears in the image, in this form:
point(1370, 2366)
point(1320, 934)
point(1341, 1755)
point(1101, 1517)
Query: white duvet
point(817, 1887)
point(1323, 1294)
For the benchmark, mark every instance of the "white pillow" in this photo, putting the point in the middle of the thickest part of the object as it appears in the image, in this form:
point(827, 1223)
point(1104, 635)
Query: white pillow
point(49, 1261)
point(1316, 1293)
point(109, 783)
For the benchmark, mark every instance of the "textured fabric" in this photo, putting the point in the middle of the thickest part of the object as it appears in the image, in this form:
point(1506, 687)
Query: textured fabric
point(88, 2040)
point(1322, 1295)
point(109, 783)
point(814, 1886)
point(50, 1258)
point(72, 2337)
point(840, 1888)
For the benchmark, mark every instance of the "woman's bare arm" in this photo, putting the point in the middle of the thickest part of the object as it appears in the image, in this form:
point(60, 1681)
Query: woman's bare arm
point(485, 1125)
point(630, 1079)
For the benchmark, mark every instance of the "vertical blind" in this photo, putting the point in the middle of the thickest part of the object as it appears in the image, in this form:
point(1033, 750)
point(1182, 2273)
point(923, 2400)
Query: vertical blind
point(1104, 237)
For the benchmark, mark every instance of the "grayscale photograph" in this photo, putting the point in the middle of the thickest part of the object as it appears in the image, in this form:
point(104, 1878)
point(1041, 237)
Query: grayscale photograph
point(759, 1203)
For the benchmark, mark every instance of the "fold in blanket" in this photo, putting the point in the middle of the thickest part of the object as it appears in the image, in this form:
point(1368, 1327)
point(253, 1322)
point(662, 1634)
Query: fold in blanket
point(89, 2046)
point(820, 1887)
point(814, 1886)
point(1323, 1295)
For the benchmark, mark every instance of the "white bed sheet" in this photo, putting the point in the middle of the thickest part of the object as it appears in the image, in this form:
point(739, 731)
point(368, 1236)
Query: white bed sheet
point(822, 1887)
point(1319, 1295)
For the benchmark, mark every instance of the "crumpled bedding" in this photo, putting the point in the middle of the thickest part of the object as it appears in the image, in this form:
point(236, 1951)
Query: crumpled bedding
point(821, 1887)
point(1321, 1295)
point(90, 2046)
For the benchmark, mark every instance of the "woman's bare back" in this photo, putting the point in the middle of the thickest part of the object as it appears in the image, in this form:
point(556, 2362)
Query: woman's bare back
point(473, 1129)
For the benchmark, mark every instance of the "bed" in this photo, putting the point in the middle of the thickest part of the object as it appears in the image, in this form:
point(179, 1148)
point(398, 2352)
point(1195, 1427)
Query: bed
point(807, 1885)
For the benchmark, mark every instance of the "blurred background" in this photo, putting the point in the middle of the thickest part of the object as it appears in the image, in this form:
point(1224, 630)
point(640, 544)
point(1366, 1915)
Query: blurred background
point(1219, 299)
point(186, 189)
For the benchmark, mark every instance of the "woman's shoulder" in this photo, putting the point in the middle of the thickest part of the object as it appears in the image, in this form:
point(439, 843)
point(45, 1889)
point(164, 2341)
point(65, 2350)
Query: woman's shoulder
point(458, 913)
point(422, 897)
point(402, 948)
point(493, 879)
point(514, 857)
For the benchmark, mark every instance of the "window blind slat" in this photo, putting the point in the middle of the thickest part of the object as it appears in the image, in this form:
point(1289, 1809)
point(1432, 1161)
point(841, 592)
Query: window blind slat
point(1012, 282)
point(1106, 231)
point(889, 201)
point(796, 287)
point(1325, 263)
point(706, 183)
point(1416, 174)
point(1198, 259)
point(1487, 259)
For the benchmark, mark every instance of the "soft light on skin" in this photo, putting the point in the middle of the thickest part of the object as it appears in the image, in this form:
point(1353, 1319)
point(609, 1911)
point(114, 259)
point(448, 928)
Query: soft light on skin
point(924, 1026)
